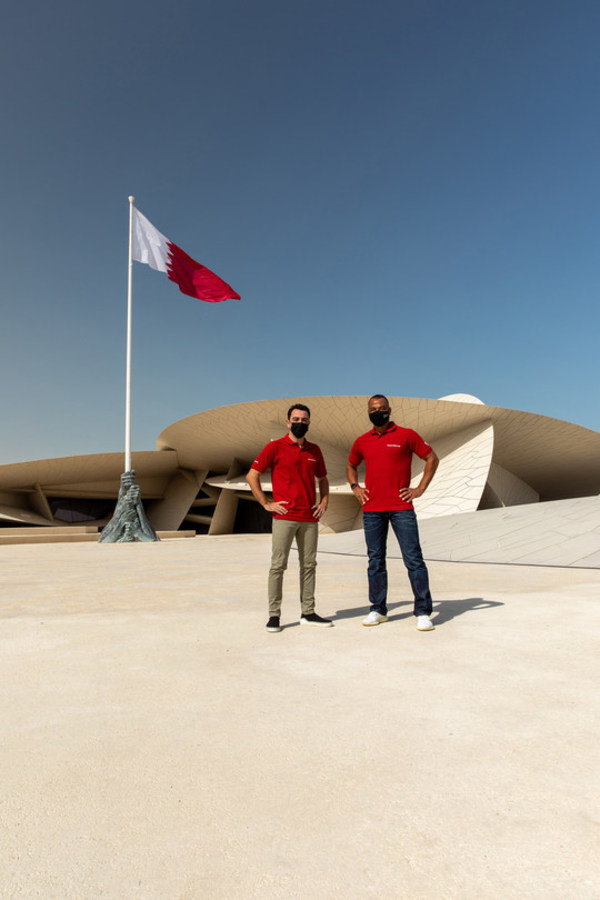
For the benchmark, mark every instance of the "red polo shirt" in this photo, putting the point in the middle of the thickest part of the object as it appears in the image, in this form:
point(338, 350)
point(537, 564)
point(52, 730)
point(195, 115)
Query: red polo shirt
point(387, 458)
point(294, 468)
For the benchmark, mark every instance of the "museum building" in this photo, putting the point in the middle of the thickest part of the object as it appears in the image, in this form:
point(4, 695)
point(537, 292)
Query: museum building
point(490, 458)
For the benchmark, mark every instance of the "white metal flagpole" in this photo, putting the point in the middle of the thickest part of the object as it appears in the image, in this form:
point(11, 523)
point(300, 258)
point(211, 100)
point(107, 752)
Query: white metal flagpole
point(128, 363)
point(129, 522)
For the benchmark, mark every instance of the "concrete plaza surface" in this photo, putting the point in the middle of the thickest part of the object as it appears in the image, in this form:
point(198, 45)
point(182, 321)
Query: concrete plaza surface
point(157, 742)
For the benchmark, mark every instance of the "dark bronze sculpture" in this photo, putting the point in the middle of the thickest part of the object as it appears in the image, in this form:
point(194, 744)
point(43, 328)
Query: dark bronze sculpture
point(129, 522)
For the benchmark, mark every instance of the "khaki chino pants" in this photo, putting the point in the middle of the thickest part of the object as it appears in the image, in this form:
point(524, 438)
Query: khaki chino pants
point(306, 534)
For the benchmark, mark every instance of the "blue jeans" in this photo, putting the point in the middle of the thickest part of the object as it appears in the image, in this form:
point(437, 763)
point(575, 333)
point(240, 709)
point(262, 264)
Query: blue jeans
point(404, 523)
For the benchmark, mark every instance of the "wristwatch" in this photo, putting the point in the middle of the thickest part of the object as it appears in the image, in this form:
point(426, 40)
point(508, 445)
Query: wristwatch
point(352, 486)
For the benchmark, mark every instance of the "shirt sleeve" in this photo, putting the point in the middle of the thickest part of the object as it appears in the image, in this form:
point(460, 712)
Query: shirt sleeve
point(356, 456)
point(264, 460)
point(321, 470)
point(419, 446)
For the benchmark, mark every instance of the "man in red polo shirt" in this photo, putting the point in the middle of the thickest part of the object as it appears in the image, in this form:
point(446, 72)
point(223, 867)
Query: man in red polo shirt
point(387, 497)
point(295, 463)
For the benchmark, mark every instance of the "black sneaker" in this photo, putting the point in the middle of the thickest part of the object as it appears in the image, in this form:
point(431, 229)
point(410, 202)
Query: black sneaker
point(314, 619)
point(273, 624)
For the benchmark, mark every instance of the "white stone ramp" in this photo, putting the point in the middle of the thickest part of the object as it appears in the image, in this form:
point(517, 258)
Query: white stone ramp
point(557, 533)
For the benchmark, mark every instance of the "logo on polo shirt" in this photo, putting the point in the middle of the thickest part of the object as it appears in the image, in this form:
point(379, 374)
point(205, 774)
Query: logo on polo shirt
point(395, 445)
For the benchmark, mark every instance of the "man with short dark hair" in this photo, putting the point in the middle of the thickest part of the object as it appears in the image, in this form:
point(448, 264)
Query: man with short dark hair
point(386, 499)
point(295, 464)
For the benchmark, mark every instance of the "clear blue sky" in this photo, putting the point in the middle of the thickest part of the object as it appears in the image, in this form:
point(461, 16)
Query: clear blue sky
point(404, 193)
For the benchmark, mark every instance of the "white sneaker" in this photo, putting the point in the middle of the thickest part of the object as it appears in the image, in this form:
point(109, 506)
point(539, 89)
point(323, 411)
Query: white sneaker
point(374, 618)
point(424, 623)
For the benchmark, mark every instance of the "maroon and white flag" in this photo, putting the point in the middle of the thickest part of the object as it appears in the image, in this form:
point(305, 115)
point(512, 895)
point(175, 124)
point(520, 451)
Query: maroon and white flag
point(193, 279)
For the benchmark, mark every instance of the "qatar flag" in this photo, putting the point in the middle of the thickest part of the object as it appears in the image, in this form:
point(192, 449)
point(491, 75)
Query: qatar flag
point(194, 279)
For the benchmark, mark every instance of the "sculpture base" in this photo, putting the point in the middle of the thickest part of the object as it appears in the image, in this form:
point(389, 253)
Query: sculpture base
point(129, 522)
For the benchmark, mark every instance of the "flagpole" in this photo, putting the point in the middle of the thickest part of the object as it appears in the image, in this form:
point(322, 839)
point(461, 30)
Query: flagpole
point(129, 521)
point(128, 362)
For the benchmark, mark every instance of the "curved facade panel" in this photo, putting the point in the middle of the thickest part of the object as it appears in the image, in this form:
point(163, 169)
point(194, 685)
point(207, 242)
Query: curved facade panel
point(465, 459)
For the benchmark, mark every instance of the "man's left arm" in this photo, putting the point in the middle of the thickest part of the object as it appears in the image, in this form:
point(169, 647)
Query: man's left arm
point(321, 507)
point(431, 463)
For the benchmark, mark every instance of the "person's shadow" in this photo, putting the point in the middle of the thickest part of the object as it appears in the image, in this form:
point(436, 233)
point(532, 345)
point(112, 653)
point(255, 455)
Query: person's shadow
point(443, 611)
point(446, 610)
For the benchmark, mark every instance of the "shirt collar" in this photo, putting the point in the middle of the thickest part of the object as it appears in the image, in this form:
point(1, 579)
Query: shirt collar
point(391, 426)
point(287, 438)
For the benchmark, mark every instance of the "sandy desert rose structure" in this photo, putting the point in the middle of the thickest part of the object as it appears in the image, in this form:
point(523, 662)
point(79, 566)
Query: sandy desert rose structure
point(490, 458)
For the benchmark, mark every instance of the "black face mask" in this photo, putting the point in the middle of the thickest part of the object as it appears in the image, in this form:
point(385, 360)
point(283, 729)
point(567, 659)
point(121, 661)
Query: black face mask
point(299, 429)
point(379, 417)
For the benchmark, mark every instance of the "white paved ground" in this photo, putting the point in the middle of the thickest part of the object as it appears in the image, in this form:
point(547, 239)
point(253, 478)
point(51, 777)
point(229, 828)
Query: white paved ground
point(158, 743)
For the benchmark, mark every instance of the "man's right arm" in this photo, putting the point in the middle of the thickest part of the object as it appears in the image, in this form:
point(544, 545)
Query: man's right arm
point(253, 479)
point(361, 494)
